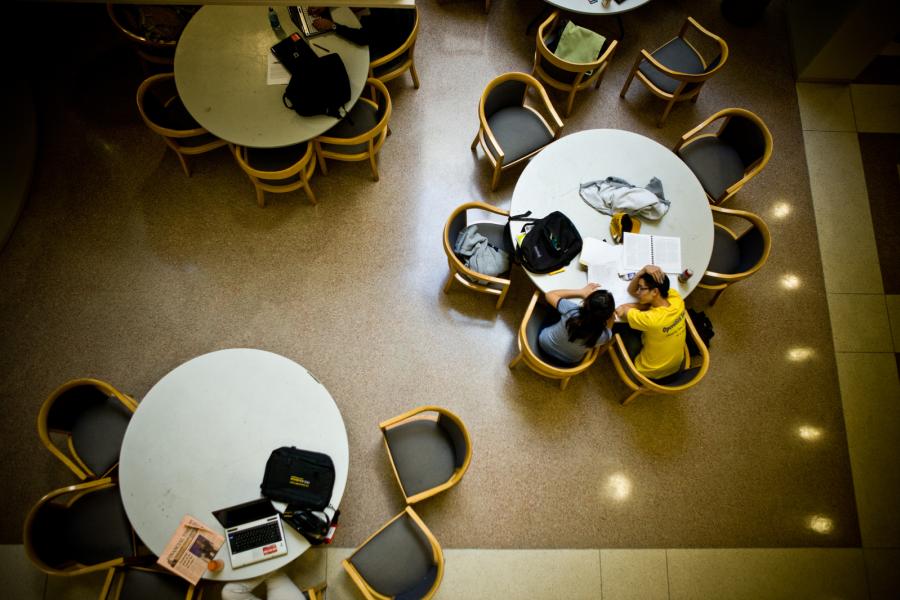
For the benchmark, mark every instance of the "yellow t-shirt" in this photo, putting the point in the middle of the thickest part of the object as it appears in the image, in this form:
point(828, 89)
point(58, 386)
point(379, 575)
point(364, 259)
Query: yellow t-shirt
point(663, 337)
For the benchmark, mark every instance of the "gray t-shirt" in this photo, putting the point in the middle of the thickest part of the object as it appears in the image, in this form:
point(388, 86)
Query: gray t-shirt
point(554, 340)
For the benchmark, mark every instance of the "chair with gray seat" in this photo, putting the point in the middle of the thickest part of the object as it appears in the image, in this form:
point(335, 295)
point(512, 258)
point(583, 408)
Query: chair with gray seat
point(401, 560)
point(510, 131)
point(393, 53)
point(496, 285)
point(142, 583)
point(82, 423)
point(164, 113)
point(735, 256)
point(278, 170)
point(676, 71)
point(361, 134)
point(728, 158)
point(564, 75)
point(429, 449)
point(80, 529)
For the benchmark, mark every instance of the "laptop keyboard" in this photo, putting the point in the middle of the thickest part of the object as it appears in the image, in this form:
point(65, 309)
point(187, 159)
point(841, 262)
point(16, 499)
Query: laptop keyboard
point(254, 537)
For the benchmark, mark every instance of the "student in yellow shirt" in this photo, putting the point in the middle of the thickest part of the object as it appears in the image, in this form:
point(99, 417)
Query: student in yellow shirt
point(659, 315)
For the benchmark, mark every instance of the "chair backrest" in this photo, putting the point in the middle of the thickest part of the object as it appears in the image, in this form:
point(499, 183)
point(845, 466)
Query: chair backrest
point(721, 56)
point(399, 19)
point(402, 559)
point(242, 156)
point(79, 529)
point(383, 110)
point(747, 134)
point(504, 94)
point(459, 437)
point(140, 583)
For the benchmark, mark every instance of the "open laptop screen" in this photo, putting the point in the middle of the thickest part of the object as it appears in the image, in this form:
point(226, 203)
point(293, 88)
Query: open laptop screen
point(247, 512)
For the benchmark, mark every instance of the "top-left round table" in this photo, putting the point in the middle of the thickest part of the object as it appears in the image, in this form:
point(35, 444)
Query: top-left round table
point(220, 71)
point(200, 439)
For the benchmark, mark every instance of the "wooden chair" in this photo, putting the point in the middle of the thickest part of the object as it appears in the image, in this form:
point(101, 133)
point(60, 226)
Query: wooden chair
point(167, 22)
point(359, 135)
point(429, 449)
point(735, 257)
point(725, 160)
point(91, 417)
point(278, 170)
point(694, 368)
point(403, 557)
point(316, 592)
point(676, 71)
point(163, 112)
point(80, 529)
point(143, 583)
point(531, 354)
point(509, 131)
point(561, 74)
point(401, 59)
point(479, 282)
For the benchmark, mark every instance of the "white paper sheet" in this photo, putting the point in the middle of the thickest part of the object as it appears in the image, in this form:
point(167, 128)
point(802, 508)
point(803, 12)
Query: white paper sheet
point(276, 74)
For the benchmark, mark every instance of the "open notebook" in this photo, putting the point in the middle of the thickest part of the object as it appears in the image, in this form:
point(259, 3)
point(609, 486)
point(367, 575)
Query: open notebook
point(640, 250)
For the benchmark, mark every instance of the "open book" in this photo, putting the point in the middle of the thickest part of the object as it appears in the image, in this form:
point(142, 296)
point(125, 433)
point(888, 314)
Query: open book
point(662, 251)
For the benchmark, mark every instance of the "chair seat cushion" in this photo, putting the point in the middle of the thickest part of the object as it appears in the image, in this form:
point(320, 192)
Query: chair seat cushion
point(676, 55)
point(362, 118)
point(97, 434)
point(422, 453)
point(398, 560)
point(726, 254)
point(96, 528)
point(518, 131)
point(717, 165)
point(276, 159)
point(147, 585)
point(173, 115)
point(396, 63)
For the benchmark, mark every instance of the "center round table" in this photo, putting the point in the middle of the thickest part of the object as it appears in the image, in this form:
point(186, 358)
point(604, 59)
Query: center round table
point(220, 71)
point(200, 439)
point(552, 179)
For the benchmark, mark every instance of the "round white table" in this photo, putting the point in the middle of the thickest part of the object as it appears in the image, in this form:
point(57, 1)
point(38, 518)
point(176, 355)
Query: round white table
point(551, 182)
point(585, 8)
point(201, 436)
point(220, 71)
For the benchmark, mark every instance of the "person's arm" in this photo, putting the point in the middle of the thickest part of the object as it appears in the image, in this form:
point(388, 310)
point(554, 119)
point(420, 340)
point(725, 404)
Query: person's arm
point(622, 310)
point(651, 270)
point(554, 296)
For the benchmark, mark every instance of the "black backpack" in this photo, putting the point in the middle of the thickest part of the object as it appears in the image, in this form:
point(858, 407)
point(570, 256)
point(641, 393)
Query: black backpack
point(549, 244)
point(319, 84)
point(704, 329)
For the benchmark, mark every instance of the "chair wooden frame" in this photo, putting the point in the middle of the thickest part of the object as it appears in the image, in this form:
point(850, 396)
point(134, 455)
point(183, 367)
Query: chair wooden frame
point(463, 274)
point(485, 134)
point(374, 138)
point(536, 364)
point(727, 279)
point(437, 555)
point(725, 115)
point(115, 578)
point(72, 460)
point(416, 413)
point(408, 65)
point(172, 135)
point(140, 42)
point(685, 79)
point(628, 372)
point(586, 74)
point(78, 490)
point(304, 167)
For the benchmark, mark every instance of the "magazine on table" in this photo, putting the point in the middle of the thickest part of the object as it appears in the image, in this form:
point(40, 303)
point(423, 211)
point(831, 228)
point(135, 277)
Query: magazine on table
point(190, 549)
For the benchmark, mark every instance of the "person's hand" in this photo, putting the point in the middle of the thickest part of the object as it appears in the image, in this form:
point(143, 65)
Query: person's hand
point(323, 24)
point(317, 11)
point(589, 289)
point(654, 272)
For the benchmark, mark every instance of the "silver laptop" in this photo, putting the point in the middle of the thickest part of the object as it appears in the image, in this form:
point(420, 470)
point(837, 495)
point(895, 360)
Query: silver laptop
point(253, 532)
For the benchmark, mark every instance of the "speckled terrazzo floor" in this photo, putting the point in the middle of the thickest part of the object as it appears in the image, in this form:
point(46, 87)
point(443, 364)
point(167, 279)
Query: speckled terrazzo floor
point(122, 268)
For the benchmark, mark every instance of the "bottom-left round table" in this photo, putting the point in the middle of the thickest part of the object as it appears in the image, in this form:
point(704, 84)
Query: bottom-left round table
point(200, 439)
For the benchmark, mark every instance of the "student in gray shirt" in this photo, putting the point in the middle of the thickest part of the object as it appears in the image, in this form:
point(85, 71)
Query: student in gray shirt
point(580, 327)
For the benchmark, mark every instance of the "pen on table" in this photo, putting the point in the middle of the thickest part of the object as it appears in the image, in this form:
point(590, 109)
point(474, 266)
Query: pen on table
point(557, 272)
point(320, 47)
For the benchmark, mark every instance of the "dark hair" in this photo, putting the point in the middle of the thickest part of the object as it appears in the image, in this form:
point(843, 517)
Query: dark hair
point(648, 280)
point(589, 321)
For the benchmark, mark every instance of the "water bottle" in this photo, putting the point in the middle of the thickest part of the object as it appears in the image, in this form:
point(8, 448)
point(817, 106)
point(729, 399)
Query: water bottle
point(276, 24)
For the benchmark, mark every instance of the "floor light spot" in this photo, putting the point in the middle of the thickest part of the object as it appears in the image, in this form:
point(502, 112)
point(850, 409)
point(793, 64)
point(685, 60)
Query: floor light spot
point(820, 524)
point(618, 487)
